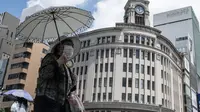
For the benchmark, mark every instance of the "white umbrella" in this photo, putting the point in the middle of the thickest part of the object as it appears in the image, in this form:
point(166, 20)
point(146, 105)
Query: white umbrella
point(47, 25)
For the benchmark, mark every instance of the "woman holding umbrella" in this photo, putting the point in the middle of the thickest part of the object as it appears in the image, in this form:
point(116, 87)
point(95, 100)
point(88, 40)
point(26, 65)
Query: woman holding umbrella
point(20, 105)
point(56, 81)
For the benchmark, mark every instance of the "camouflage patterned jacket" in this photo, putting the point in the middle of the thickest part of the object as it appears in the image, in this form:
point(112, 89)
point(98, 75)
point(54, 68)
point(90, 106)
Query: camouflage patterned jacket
point(55, 82)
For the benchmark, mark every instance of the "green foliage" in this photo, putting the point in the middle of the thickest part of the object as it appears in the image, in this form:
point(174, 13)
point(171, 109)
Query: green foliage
point(2, 110)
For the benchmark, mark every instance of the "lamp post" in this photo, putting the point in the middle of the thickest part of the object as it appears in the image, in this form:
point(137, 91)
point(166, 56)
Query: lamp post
point(160, 108)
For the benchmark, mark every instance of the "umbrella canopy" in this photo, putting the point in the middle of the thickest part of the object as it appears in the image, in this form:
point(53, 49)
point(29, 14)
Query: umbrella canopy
point(19, 93)
point(47, 25)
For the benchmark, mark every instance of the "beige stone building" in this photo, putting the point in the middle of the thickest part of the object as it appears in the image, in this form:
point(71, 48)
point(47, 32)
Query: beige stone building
point(22, 71)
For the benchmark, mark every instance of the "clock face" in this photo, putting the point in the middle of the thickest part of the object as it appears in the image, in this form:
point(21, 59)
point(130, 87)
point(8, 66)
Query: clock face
point(139, 10)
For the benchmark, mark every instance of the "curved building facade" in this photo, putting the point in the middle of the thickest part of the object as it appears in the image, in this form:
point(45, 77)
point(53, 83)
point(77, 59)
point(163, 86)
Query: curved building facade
point(130, 67)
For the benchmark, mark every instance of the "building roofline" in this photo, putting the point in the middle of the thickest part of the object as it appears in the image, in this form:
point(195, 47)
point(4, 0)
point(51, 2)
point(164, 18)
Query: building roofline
point(173, 10)
point(100, 30)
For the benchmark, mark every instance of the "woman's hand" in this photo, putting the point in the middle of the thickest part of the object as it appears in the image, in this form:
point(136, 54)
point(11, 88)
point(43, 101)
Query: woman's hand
point(62, 60)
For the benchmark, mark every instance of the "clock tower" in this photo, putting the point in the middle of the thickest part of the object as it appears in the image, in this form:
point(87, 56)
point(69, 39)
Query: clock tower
point(137, 12)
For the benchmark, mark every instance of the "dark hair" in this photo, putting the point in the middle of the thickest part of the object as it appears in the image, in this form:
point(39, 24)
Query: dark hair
point(22, 101)
point(61, 45)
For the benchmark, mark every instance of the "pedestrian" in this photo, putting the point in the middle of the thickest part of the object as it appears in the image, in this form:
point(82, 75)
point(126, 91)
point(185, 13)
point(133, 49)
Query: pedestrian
point(56, 81)
point(20, 105)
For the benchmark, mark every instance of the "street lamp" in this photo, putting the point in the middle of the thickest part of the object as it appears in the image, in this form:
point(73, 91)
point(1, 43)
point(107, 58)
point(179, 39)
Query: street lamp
point(160, 108)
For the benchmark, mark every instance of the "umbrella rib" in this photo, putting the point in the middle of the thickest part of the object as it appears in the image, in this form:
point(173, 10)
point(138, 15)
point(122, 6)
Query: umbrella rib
point(77, 13)
point(67, 24)
point(27, 25)
point(45, 29)
point(79, 21)
point(33, 30)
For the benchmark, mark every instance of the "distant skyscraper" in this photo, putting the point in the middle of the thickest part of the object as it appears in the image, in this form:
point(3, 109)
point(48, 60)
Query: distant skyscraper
point(182, 28)
point(181, 23)
point(34, 6)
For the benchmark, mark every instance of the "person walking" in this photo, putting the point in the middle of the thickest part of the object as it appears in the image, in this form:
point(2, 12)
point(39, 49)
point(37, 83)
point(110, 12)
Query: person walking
point(56, 81)
point(20, 105)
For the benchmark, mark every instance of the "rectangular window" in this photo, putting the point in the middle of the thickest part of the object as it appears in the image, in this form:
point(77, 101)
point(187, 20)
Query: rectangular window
point(137, 39)
point(136, 98)
point(143, 40)
point(100, 82)
point(111, 67)
point(101, 67)
point(84, 44)
point(129, 82)
point(148, 99)
point(110, 96)
point(129, 97)
point(153, 71)
point(123, 96)
point(73, 70)
point(162, 88)
point(112, 52)
point(88, 43)
point(148, 41)
point(124, 67)
point(94, 95)
point(113, 38)
point(86, 69)
point(132, 39)
point(126, 38)
point(162, 74)
point(99, 96)
point(106, 67)
point(97, 54)
point(148, 85)
point(79, 57)
point(148, 56)
point(136, 83)
point(162, 101)
point(130, 53)
point(108, 39)
point(153, 57)
point(153, 86)
point(107, 53)
point(103, 39)
point(142, 54)
point(137, 68)
point(105, 82)
point(142, 69)
point(81, 70)
point(87, 56)
point(104, 96)
point(110, 82)
point(83, 56)
point(77, 70)
point(125, 52)
point(96, 68)
point(142, 98)
point(153, 99)
point(137, 53)
point(142, 83)
point(130, 67)
point(124, 82)
point(102, 53)
point(148, 70)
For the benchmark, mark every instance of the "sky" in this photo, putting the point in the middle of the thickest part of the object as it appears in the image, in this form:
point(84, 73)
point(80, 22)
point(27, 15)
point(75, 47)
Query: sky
point(105, 12)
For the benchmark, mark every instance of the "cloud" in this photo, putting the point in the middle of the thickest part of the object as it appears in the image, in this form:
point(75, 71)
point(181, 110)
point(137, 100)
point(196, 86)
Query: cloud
point(48, 3)
point(108, 12)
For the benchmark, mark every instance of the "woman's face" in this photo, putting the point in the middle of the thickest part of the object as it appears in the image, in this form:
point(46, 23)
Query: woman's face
point(68, 51)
